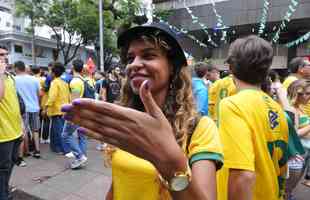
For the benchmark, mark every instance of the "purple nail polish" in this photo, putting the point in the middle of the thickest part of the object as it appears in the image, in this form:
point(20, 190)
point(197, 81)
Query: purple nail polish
point(147, 85)
point(76, 102)
point(66, 108)
point(81, 130)
point(68, 117)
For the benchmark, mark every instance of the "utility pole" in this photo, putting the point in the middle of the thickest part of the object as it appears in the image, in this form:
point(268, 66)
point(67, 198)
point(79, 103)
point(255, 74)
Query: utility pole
point(101, 25)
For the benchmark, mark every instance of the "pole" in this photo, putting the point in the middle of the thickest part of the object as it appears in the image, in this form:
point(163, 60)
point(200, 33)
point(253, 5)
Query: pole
point(101, 25)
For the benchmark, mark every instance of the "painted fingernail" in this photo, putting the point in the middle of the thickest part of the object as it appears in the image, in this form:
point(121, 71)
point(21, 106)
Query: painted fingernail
point(81, 130)
point(66, 108)
point(147, 85)
point(76, 102)
point(68, 117)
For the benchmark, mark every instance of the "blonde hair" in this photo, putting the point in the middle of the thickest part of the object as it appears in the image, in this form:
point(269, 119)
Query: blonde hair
point(294, 89)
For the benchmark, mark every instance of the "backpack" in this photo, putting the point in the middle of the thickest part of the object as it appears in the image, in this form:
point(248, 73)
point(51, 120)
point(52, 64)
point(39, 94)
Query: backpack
point(89, 91)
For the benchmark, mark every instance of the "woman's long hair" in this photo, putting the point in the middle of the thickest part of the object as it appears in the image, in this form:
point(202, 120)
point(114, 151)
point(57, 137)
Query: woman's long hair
point(179, 107)
point(295, 88)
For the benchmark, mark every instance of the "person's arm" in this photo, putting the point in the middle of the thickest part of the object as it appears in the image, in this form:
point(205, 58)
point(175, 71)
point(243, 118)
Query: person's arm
point(201, 95)
point(304, 132)
point(39, 92)
point(211, 100)
point(203, 184)
point(103, 94)
point(282, 96)
point(240, 184)
point(109, 195)
point(52, 95)
point(2, 88)
point(103, 90)
point(2, 76)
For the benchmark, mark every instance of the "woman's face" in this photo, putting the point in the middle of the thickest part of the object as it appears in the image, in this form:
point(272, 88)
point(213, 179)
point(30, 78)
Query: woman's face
point(304, 96)
point(145, 62)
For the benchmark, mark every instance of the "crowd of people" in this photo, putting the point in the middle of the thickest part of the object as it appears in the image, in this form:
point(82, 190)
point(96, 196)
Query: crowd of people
point(30, 110)
point(168, 130)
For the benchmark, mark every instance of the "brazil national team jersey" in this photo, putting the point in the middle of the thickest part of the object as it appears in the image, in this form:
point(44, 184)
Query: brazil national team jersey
point(219, 90)
point(254, 132)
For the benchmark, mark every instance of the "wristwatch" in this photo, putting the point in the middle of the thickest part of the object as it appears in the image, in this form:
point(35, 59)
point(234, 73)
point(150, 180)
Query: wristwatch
point(180, 180)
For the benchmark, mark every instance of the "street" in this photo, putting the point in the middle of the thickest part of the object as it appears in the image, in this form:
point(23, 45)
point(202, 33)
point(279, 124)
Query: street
point(49, 178)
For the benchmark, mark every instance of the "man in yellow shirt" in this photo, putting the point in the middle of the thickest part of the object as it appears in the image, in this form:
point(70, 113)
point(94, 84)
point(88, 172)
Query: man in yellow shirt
point(220, 89)
point(299, 68)
point(58, 95)
point(10, 125)
point(253, 128)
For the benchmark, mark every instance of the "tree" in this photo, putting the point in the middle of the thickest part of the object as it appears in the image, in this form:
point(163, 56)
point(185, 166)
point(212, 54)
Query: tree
point(118, 15)
point(33, 9)
point(74, 23)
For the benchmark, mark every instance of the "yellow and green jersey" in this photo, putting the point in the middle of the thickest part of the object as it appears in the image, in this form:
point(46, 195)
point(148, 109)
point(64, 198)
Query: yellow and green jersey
point(10, 117)
point(77, 85)
point(217, 91)
point(138, 179)
point(254, 132)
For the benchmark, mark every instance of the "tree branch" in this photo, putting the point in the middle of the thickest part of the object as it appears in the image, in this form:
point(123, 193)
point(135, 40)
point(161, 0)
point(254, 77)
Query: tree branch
point(75, 50)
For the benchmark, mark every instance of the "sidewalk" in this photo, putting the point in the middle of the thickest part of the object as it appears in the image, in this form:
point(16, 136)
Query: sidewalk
point(50, 178)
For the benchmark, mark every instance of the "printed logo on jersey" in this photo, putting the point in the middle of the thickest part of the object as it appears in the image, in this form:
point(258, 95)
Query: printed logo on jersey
point(223, 93)
point(273, 119)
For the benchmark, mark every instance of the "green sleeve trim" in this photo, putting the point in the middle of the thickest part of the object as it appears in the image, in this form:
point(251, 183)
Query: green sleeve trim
point(294, 145)
point(216, 157)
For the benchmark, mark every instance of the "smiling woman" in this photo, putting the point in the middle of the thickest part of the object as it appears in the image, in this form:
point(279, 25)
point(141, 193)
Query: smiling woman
point(162, 148)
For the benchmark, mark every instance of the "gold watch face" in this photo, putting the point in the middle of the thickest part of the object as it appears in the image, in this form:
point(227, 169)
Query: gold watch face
point(179, 183)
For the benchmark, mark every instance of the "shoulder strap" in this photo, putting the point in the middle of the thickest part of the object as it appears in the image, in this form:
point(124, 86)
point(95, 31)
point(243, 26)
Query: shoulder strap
point(79, 78)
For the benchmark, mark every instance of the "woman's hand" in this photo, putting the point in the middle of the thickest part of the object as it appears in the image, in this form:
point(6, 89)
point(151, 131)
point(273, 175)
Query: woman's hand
point(147, 135)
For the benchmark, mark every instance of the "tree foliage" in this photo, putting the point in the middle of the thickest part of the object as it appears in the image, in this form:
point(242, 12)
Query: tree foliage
point(33, 9)
point(76, 22)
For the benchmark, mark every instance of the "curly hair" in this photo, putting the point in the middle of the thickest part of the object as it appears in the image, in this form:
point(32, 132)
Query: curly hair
point(179, 107)
point(295, 88)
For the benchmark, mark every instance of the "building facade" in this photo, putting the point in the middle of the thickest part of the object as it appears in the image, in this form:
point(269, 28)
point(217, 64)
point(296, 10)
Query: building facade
point(242, 17)
point(13, 35)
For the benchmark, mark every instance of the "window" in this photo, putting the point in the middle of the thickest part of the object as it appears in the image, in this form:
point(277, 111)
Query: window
point(18, 48)
point(17, 28)
point(8, 24)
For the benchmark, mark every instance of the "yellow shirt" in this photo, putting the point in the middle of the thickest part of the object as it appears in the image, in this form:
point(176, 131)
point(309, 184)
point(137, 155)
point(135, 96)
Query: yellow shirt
point(137, 179)
point(10, 119)
point(217, 91)
point(254, 133)
point(287, 82)
point(58, 95)
point(77, 85)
